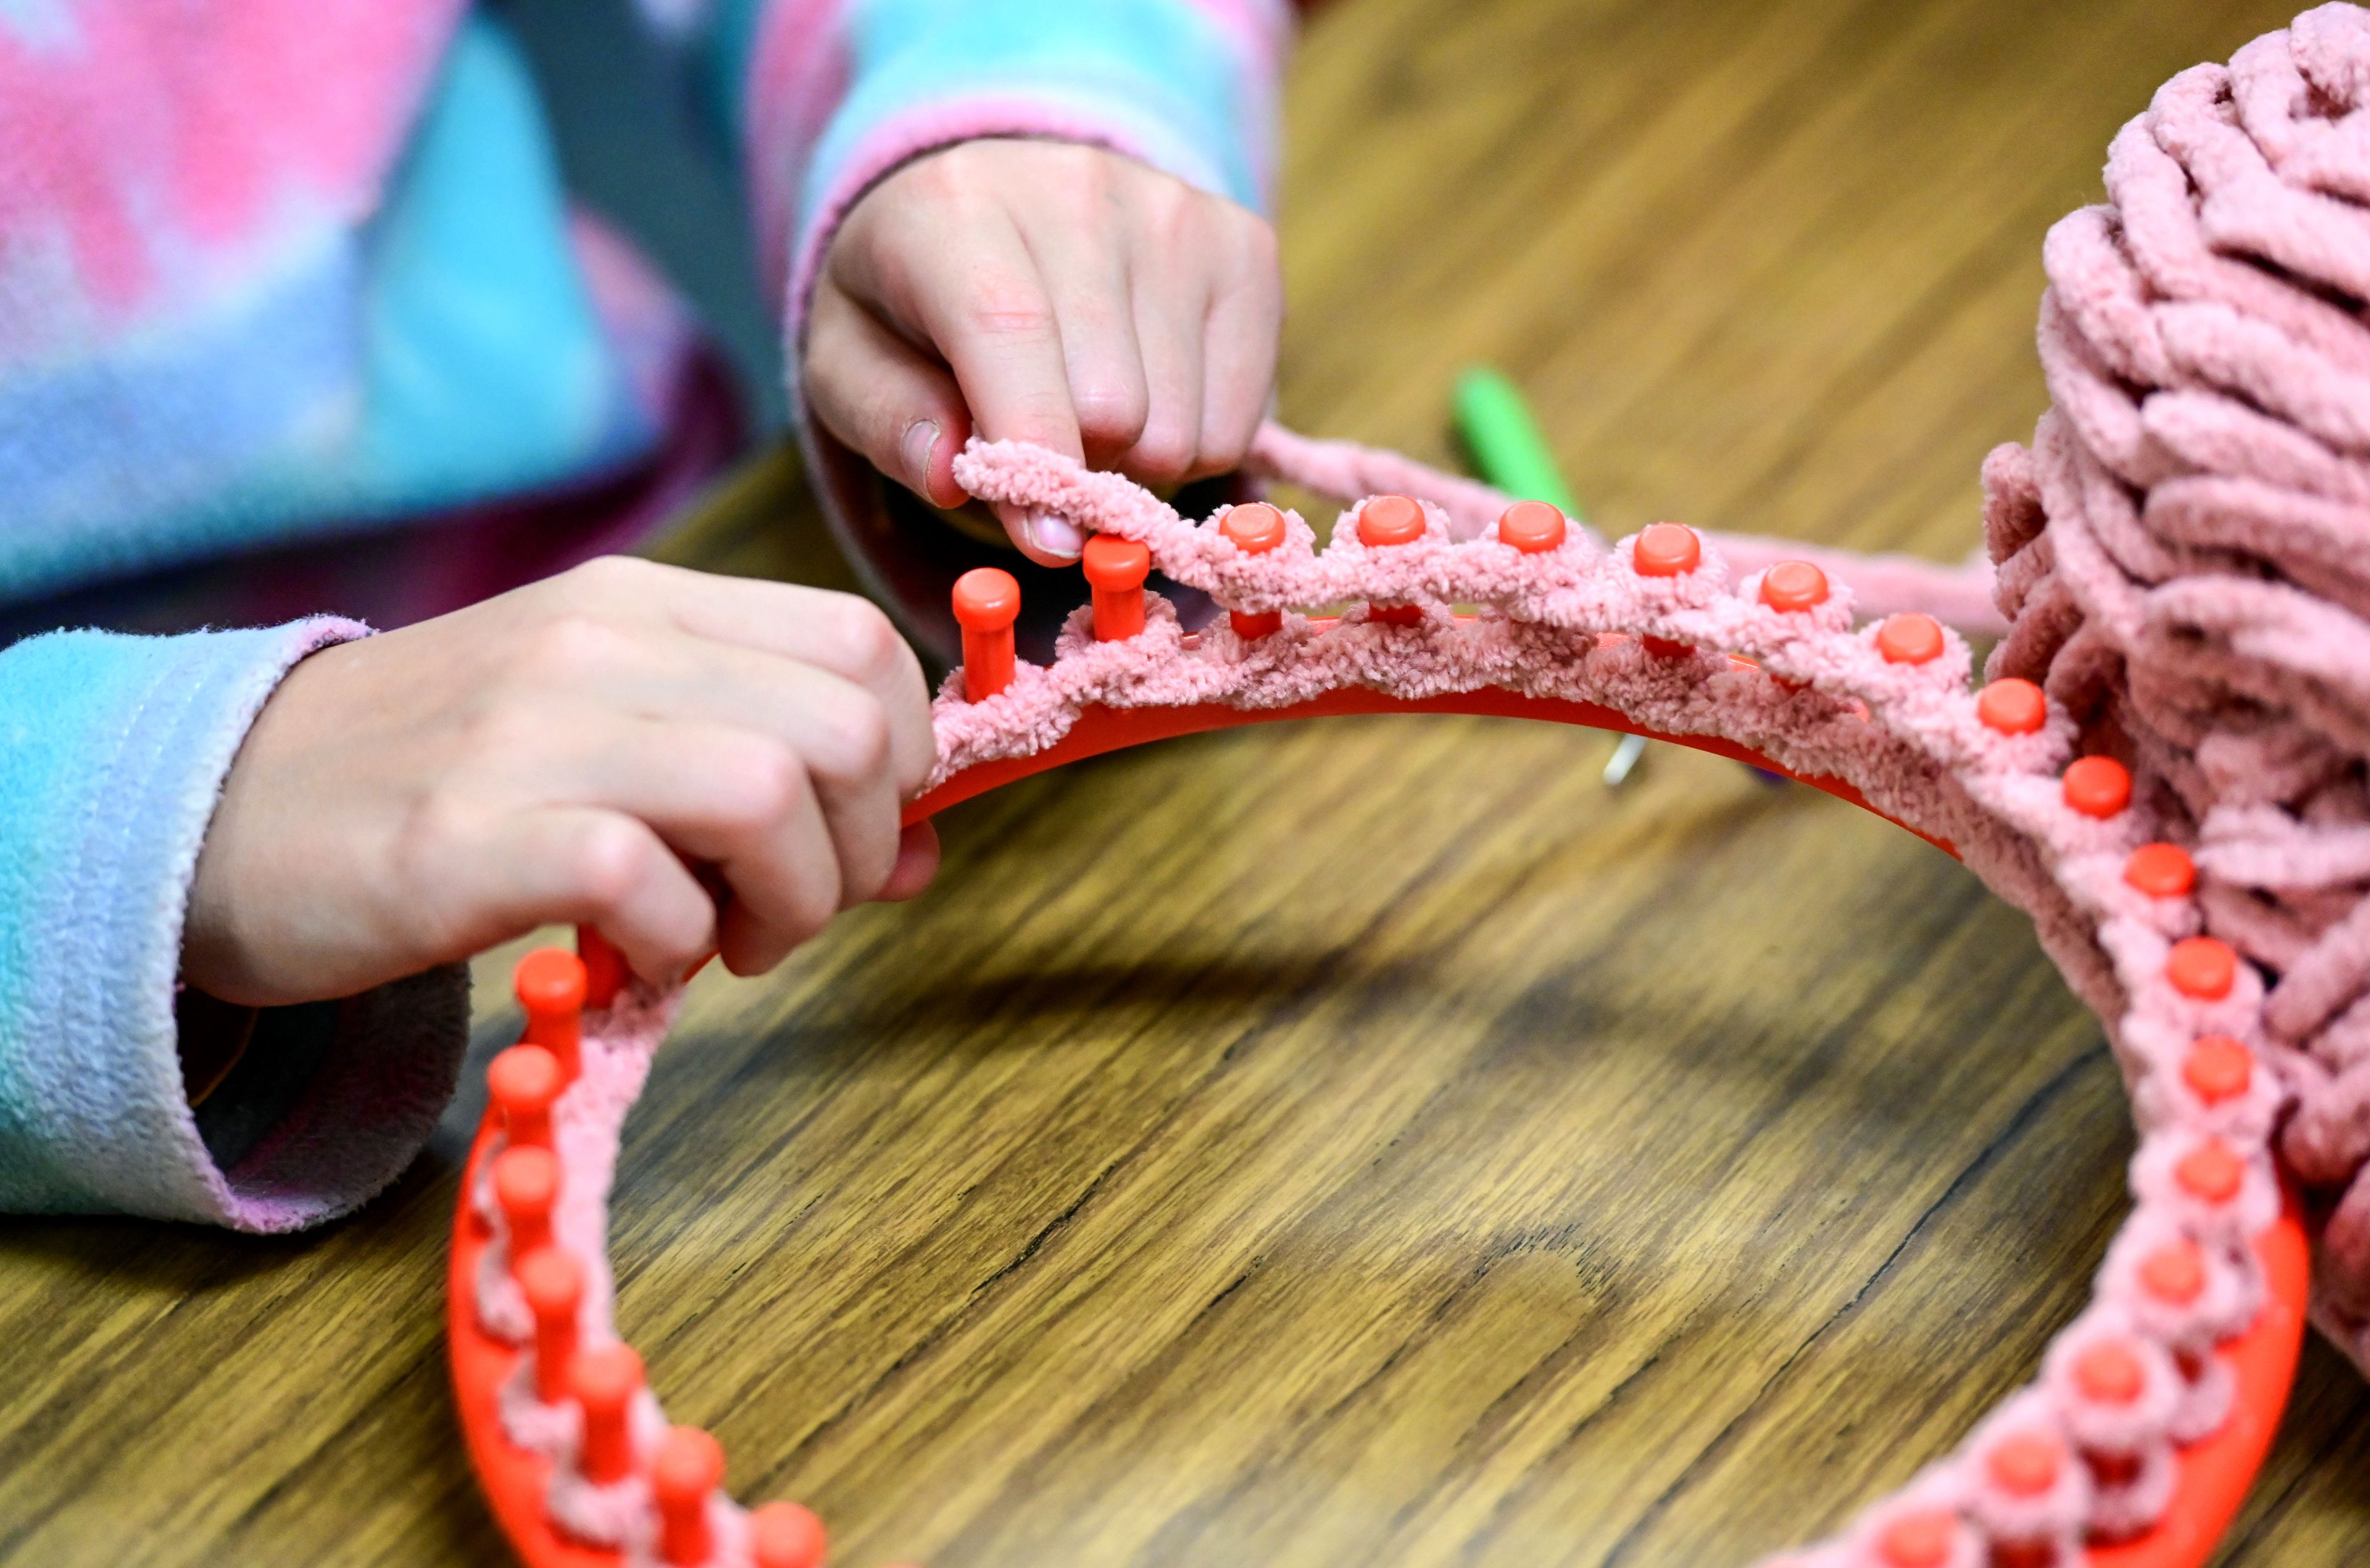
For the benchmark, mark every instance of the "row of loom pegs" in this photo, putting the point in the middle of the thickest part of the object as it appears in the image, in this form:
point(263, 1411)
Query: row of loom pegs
point(684, 1467)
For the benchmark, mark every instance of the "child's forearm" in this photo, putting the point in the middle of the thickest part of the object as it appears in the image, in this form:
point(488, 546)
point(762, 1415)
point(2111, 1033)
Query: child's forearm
point(114, 749)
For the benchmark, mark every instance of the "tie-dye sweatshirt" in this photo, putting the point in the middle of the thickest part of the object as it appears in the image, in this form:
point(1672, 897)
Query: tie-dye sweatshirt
point(270, 268)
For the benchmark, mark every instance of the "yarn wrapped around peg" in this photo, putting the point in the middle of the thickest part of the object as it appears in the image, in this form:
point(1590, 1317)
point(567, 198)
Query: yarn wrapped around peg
point(2180, 549)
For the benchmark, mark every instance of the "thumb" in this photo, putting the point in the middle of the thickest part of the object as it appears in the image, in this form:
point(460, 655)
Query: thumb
point(881, 397)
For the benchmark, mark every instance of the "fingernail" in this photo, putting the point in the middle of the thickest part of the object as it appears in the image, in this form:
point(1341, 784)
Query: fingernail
point(1054, 535)
point(920, 444)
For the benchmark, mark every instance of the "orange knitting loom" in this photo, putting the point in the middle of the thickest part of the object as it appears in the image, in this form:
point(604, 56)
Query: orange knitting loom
point(510, 1186)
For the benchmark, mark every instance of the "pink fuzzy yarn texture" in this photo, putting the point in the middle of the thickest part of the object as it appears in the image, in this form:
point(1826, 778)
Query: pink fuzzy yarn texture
point(2179, 565)
point(2182, 554)
point(2184, 550)
point(1701, 653)
point(587, 1125)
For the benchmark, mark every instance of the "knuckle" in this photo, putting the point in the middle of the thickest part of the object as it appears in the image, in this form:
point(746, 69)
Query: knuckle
point(1174, 212)
point(959, 168)
point(830, 344)
point(861, 741)
point(803, 905)
point(607, 863)
point(682, 937)
point(494, 731)
point(1253, 237)
point(1109, 412)
point(433, 832)
point(1087, 174)
point(848, 740)
point(917, 765)
point(1223, 450)
point(1163, 455)
point(771, 781)
point(874, 650)
point(947, 181)
point(1261, 261)
point(572, 644)
point(814, 910)
point(607, 578)
point(866, 871)
point(938, 177)
point(1008, 307)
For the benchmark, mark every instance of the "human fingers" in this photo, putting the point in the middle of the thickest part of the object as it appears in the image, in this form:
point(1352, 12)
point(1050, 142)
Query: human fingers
point(948, 268)
point(1172, 304)
point(590, 639)
point(917, 862)
point(835, 636)
point(1079, 237)
point(883, 397)
point(577, 864)
point(786, 774)
point(1245, 322)
point(848, 737)
point(750, 806)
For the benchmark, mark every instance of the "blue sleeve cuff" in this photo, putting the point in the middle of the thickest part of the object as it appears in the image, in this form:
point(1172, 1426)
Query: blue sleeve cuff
point(1159, 72)
point(112, 752)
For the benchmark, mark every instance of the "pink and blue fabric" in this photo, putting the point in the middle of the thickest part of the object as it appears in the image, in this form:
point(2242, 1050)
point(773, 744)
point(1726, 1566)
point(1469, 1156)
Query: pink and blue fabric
point(274, 271)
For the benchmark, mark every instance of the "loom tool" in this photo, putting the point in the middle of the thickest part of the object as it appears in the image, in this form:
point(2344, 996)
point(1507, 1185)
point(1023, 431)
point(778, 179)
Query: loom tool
point(548, 1393)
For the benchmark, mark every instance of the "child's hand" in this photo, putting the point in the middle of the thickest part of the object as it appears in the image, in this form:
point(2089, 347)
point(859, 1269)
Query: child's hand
point(559, 754)
point(1045, 292)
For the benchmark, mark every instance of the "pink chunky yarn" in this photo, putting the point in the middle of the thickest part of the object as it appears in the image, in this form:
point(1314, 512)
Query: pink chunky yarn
point(2185, 550)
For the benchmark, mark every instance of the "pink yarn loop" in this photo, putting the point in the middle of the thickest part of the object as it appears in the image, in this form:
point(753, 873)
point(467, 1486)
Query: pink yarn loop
point(2184, 550)
point(1343, 472)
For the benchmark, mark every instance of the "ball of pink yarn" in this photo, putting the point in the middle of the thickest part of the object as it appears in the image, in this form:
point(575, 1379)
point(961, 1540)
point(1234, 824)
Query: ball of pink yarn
point(2184, 552)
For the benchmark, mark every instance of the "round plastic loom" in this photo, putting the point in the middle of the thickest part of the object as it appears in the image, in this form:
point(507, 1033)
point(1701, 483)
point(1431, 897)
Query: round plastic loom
point(680, 1470)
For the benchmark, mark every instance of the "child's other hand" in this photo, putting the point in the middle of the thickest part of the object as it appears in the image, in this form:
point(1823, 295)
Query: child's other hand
point(567, 752)
point(1046, 292)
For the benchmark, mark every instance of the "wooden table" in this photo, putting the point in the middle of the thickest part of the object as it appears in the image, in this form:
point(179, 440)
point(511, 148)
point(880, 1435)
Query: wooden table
point(1367, 1142)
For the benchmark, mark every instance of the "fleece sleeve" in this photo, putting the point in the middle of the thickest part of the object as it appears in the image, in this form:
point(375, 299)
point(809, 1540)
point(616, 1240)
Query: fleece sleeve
point(112, 752)
point(841, 92)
